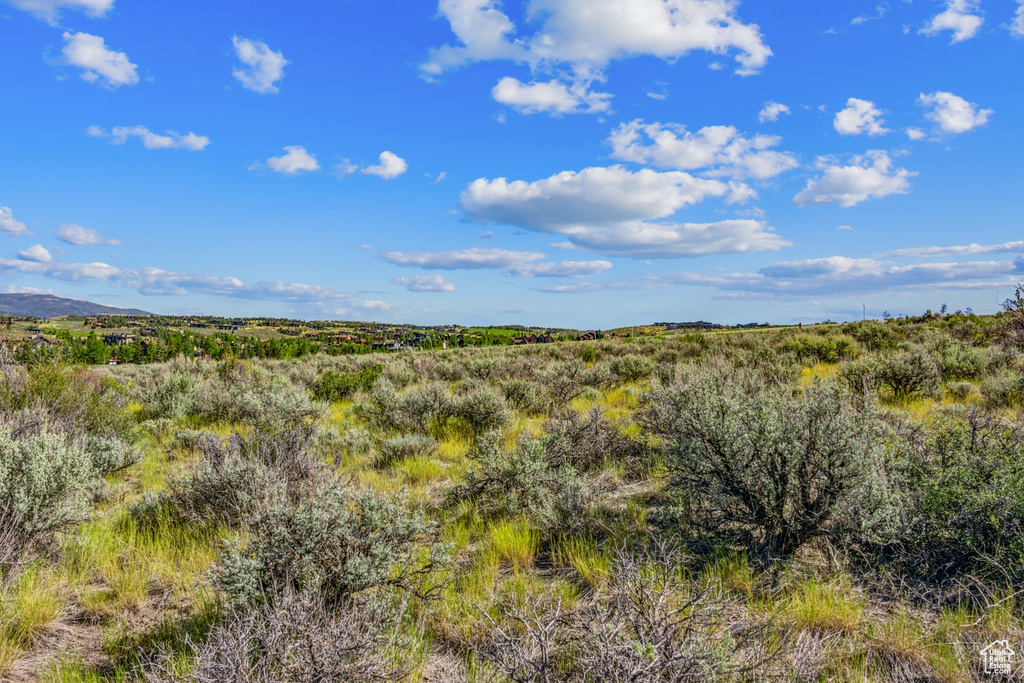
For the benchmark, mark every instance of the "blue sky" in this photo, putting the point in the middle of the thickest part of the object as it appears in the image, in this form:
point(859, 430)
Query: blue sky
point(586, 163)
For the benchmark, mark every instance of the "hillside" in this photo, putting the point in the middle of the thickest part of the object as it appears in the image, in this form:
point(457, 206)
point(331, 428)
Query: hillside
point(49, 306)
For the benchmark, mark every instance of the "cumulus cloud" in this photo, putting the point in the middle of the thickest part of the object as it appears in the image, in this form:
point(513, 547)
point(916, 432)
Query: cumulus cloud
point(964, 250)
point(37, 253)
point(159, 282)
point(868, 176)
point(860, 117)
point(82, 237)
point(99, 64)
point(915, 133)
point(9, 224)
point(772, 111)
point(49, 10)
point(261, 67)
point(390, 166)
point(563, 269)
point(960, 16)
point(425, 283)
point(464, 259)
point(150, 140)
point(722, 150)
point(552, 97)
point(295, 160)
point(616, 211)
point(1017, 25)
point(591, 34)
point(575, 41)
point(953, 114)
point(824, 276)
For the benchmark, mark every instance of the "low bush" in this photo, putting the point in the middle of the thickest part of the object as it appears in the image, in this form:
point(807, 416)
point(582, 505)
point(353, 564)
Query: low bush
point(334, 544)
point(964, 499)
point(1002, 389)
point(110, 454)
point(482, 410)
point(523, 483)
point(590, 441)
point(646, 625)
point(524, 396)
point(631, 367)
point(293, 640)
point(42, 480)
point(337, 386)
point(760, 467)
point(819, 349)
point(910, 373)
point(399, 448)
point(240, 477)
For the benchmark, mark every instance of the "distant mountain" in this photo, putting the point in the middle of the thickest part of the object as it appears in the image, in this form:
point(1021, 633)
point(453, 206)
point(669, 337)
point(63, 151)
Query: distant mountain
point(49, 306)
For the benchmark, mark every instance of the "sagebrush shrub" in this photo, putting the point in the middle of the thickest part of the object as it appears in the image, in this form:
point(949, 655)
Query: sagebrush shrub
point(337, 386)
point(631, 367)
point(524, 396)
point(41, 484)
point(482, 410)
point(589, 441)
point(237, 478)
point(522, 483)
point(110, 454)
point(292, 640)
point(964, 496)
point(761, 467)
point(334, 544)
point(399, 448)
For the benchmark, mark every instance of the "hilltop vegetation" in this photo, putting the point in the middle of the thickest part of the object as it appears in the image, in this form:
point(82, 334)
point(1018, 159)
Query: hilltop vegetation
point(832, 503)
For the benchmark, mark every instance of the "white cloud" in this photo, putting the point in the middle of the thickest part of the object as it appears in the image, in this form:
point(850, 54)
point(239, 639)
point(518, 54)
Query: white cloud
point(262, 67)
point(150, 140)
point(869, 176)
point(550, 96)
point(425, 283)
point(9, 224)
point(465, 259)
point(390, 166)
point(771, 111)
point(824, 276)
point(37, 253)
point(915, 133)
point(616, 211)
point(575, 40)
point(295, 160)
point(159, 282)
point(953, 114)
point(723, 150)
point(860, 116)
point(79, 236)
point(98, 64)
point(563, 269)
point(880, 11)
point(1017, 25)
point(965, 250)
point(49, 10)
point(960, 16)
point(595, 32)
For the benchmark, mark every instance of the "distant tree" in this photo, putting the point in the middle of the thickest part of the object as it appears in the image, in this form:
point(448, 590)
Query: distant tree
point(1014, 309)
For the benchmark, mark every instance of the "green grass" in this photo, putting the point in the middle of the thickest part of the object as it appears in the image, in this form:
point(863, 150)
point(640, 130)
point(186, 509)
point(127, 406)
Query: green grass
point(514, 542)
point(27, 607)
point(591, 564)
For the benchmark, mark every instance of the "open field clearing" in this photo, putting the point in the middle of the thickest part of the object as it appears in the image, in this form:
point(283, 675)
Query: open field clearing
point(842, 503)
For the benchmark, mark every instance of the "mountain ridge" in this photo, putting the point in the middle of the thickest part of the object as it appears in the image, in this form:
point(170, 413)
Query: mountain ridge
point(51, 306)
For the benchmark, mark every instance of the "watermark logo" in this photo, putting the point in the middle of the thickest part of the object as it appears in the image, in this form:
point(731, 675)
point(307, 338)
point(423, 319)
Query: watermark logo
point(997, 658)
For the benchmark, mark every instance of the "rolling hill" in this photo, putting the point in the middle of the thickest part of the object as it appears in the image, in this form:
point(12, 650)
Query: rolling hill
point(49, 306)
